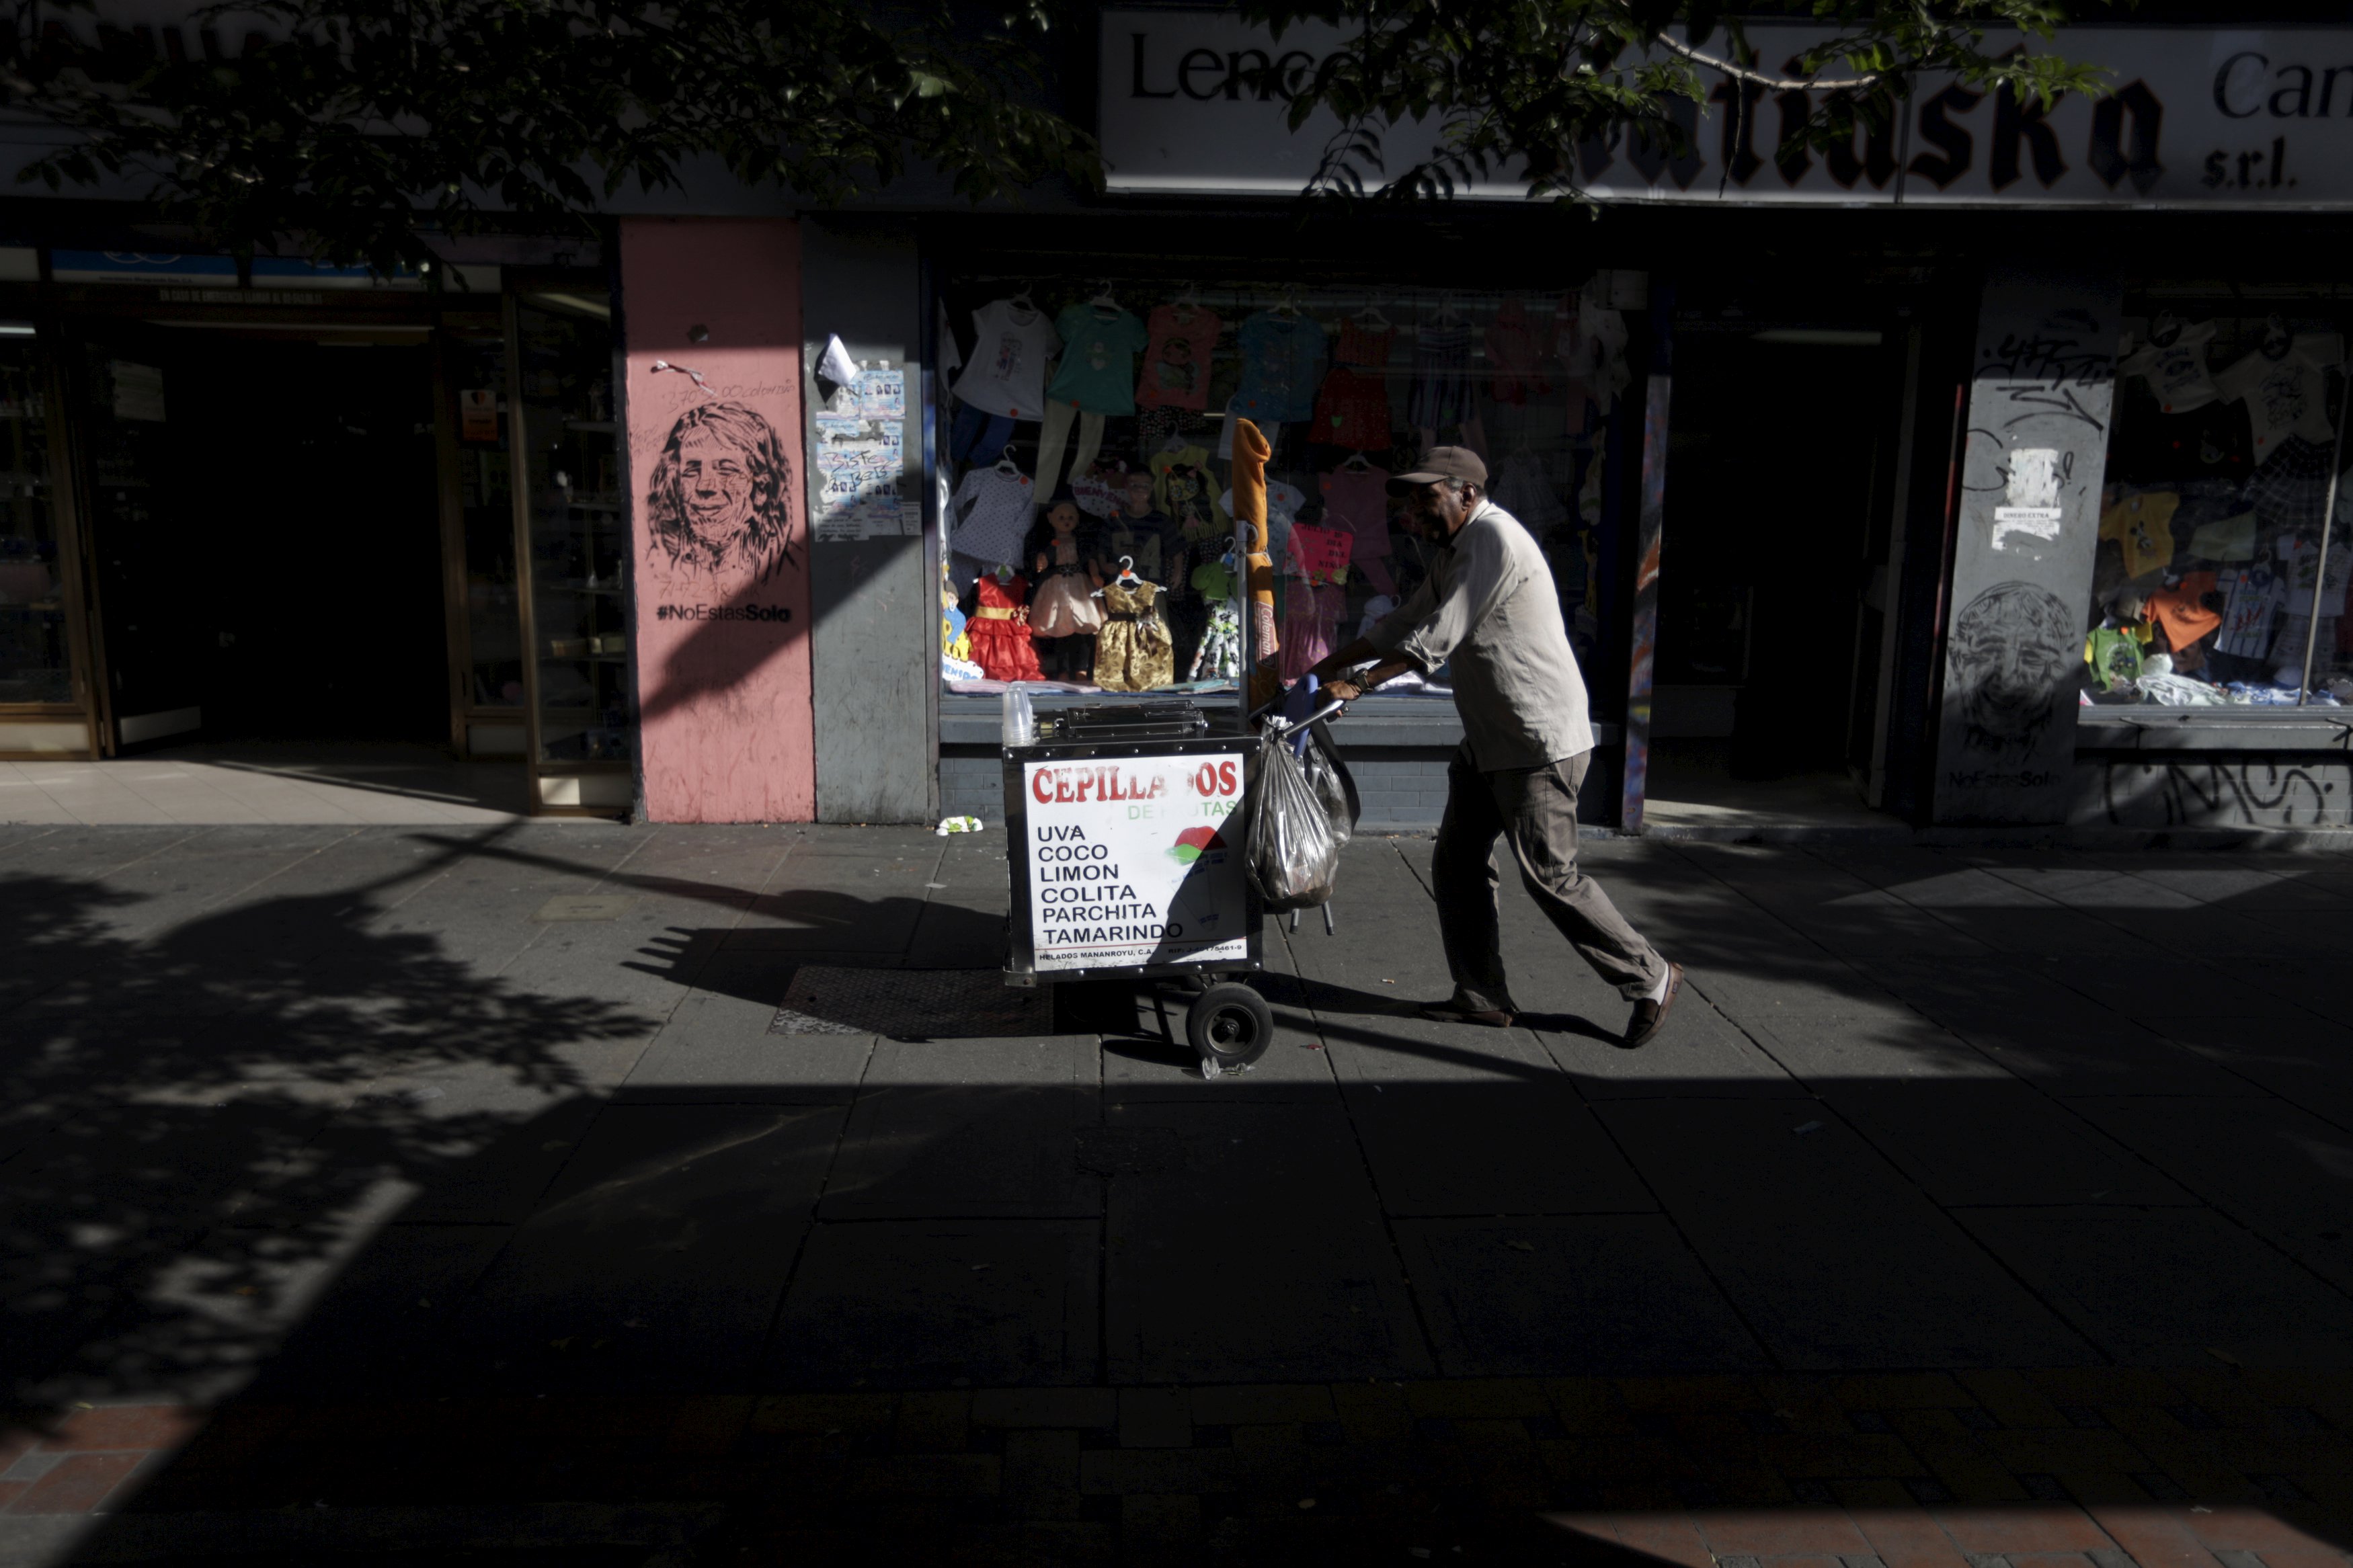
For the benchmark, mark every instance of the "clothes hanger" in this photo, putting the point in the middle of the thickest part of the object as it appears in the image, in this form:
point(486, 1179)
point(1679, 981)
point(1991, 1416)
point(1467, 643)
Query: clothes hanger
point(1105, 299)
point(1446, 316)
point(1023, 300)
point(1006, 464)
point(1357, 463)
point(2277, 339)
point(2167, 328)
point(1371, 316)
point(1285, 307)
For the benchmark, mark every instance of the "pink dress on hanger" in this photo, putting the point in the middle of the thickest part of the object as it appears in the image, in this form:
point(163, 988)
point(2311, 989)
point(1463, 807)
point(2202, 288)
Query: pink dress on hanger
point(1358, 501)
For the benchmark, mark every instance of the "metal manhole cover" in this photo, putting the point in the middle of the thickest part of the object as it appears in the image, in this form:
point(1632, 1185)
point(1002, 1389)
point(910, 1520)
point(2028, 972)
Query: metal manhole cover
point(910, 1004)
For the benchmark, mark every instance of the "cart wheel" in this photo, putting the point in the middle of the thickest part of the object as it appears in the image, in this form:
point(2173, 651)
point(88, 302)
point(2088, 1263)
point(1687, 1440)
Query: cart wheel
point(1230, 1026)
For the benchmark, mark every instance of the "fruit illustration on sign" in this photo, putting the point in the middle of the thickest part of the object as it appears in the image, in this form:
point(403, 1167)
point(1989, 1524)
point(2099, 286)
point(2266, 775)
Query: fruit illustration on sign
point(1193, 843)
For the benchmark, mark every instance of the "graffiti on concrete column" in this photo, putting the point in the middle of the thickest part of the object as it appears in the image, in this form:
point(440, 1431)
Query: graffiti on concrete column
point(2013, 654)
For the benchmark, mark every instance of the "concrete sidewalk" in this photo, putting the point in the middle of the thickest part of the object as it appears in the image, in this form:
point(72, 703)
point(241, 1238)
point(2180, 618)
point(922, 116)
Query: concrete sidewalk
point(459, 1178)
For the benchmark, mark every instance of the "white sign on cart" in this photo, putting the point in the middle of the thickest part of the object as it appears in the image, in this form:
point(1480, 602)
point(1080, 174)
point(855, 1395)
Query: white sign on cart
point(1130, 864)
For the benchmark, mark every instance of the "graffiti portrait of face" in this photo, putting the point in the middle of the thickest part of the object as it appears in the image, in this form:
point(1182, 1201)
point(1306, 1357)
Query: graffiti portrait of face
point(2013, 648)
point(715, 488)
point(718, 502)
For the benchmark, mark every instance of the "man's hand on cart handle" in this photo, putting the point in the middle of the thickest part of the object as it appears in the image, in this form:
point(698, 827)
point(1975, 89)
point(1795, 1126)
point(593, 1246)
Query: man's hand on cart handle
point(1335, 682)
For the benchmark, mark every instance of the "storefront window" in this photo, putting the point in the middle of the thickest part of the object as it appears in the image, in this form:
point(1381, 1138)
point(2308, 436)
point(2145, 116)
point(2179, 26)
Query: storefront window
point(2211, 567)
point(578, 533)
point(34, 661)
point(1089, 430)
point(494, 637)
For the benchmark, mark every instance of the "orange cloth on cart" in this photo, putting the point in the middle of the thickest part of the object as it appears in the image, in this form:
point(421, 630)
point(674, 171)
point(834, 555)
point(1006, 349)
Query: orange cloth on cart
point(1251, 453)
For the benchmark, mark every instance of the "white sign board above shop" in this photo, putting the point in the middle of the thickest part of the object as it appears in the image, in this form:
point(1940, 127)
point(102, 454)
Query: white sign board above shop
point(2201, 117)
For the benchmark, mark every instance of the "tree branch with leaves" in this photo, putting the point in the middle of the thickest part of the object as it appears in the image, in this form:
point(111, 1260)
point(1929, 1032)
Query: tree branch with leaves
point(347, 129)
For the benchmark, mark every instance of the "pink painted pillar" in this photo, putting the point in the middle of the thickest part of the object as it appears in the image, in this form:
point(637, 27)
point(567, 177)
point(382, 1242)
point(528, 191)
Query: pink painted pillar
point(723, 564)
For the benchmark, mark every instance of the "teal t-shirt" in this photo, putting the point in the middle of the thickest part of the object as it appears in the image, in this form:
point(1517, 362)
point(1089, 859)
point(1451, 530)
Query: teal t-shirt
point(1098, 368)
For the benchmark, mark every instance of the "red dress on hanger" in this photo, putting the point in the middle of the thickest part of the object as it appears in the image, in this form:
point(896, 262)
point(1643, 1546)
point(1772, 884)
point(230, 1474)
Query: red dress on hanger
point(999, 630)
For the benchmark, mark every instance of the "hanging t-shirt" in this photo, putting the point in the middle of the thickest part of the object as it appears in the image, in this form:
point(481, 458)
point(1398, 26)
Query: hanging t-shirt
point(1282, 359)
point(1177, 361)
point(1098, 368)
point(2298, 558)
point(2176, 372)
point(2286, 396)
point(2114, 654)
point(1513, 351)
point(1007, 373)
point(2143, 526)
point(2225, 539)
point(2252, 597)
point(991, 512)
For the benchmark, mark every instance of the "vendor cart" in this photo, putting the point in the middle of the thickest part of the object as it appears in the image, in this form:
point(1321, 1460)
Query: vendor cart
point(1126, 828)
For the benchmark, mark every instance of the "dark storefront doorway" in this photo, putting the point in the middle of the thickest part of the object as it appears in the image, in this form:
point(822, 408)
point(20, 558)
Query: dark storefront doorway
point(1769, 592)
point(264, 529)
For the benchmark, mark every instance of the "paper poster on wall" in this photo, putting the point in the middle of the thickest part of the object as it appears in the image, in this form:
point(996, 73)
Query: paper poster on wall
point(478, 415)
point(138, 391)
point(861, 458)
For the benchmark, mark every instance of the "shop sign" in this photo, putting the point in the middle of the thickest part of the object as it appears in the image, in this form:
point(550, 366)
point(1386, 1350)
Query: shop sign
point(2200, 117)
point(1130, 862)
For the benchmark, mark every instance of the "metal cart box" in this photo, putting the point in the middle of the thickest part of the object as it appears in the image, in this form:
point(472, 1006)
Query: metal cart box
point(1126, 828)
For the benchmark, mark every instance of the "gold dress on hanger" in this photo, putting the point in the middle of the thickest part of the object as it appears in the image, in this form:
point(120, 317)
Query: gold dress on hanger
point(1133, 652)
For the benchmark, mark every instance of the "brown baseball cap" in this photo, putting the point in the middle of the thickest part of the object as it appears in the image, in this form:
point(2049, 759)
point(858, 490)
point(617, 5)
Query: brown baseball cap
point(1442, 463)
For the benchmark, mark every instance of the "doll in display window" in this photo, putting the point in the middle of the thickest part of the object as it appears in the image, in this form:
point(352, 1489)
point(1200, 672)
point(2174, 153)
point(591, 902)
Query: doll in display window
point(998, 628)
point(1064, 614)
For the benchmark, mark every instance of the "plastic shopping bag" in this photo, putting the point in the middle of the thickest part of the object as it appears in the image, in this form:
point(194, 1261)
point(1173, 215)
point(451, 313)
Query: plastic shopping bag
point(1294, 854)
point(1327, 777)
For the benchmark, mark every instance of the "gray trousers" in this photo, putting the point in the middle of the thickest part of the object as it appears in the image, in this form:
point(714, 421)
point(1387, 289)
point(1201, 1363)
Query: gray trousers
point(1535, 811)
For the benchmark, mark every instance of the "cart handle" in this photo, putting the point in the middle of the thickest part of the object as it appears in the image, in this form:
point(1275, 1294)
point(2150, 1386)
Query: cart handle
point(1290, 729)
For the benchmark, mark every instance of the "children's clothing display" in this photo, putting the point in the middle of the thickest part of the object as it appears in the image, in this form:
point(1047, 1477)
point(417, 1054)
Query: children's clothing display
point(2298, 560)
point(1282, 359)
point(1526, 490)
point(1357, 499)
point(1513, 354)
point(1177, 359)
point(1353, 409)
point(1151, 428)
point(2287, 396)
point(1141, 539)
point(1064, 604)
point(1309, 615)
point(2114, 654)
point(991, 510)
point(2181, 609)
point(2142, 526)
point(2225, 539)
point(2176, 369)
point(1219, 654)
point(1441, 393)
point(1055, 433)
point(999, 630)
point(2252, 596)
point(1007, 373)
point(1097, 372)
point(1132, 651)
point(976, 436)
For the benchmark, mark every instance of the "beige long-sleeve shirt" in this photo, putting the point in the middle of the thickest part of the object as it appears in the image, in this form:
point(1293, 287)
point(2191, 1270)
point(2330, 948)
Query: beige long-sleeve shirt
point(1489, 606)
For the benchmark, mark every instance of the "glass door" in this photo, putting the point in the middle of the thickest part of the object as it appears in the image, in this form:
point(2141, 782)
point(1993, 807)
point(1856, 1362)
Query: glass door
point(41, 711)
point(572, 536)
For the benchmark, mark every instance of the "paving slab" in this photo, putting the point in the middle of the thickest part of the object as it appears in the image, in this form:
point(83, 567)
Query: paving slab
point(1602, 1295)
point(1993, 1140)
point(2165, 1288)
point(969, 1129)
point(1834, 1259)
point(1499, 1147)
point(2283, 1173)
point(943, 1304)
point(1254, 1251)
point(716, 1047)
point(658, 1258)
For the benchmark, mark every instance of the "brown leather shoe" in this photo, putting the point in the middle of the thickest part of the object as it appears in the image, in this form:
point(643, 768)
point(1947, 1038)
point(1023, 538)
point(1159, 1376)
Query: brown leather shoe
point(1453, 1010)
point(1650, 1016)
